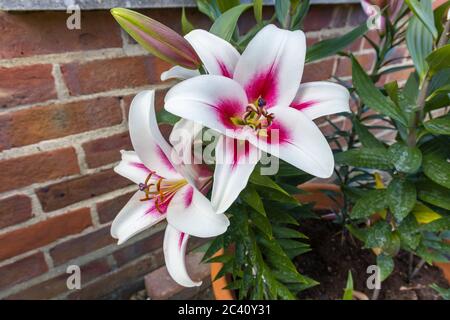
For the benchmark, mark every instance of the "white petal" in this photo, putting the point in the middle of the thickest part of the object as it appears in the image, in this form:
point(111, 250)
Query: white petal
point(209, 100)
point(218, 56)
point(135, 217)
point(175, 243)
point(184, 134)
point(272, 65)
point(192, 213)
point(186, 139)
point(321, 98)
point(179, 73)
point(235, 161)
point(301, 143)
point(132, 168)
point(146, 138)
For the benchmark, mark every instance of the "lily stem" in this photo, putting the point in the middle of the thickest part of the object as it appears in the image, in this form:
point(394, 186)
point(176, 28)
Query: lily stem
point(417, 269)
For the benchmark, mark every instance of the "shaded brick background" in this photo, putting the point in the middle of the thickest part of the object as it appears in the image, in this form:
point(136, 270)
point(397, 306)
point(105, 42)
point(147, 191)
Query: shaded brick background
point(64, 96)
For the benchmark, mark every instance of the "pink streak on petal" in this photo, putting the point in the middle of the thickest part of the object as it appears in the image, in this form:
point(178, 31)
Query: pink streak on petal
point(165, 160)
point(152, 210)
point(226, 109)
point(180, 241)
point(141, 166)
point(188, 197)
point(277, 134)
point(265, 85)
point(239, 152)
point(303, 104)
point(224, 70)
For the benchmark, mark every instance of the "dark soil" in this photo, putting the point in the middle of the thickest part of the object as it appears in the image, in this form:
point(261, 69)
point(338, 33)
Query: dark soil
point(334, 254)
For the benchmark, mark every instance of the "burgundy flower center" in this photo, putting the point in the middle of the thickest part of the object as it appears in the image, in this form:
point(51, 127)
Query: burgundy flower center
point(256, 117)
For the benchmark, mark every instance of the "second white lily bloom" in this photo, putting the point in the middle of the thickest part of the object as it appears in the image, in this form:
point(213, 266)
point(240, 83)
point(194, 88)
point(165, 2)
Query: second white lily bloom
point(167, 189)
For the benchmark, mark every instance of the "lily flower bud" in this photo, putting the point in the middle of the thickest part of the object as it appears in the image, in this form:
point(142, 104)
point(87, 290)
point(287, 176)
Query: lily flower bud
point(157, 38)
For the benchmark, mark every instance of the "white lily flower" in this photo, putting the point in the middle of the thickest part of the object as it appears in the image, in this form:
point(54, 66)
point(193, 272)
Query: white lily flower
point(166, 190)
point(257, 97)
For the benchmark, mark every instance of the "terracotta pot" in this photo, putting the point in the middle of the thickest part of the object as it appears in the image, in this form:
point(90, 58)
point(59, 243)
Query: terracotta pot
point(322, 203)
point(218, 286)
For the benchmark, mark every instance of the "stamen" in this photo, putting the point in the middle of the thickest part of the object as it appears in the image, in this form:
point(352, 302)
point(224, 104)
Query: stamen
point(256, 117)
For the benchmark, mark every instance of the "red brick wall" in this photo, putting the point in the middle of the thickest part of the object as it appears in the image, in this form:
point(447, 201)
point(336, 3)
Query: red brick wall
point(63, 101)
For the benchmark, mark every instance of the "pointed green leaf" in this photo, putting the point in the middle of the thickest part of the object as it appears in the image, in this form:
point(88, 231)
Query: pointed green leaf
point(367, 139)
point(439, 59)
point(371, 96)
point(329, 47)
point(401, 197)
point(257, 10)
point(348, 291)
point(424, 12)
point(224, 25)
point(386, 265)
point(437, 168)
point(439, 125)
point(186, 25)
point(374, 158)
point(434, 193)
point(252, 198)
point(372, 202)
point(405, 159)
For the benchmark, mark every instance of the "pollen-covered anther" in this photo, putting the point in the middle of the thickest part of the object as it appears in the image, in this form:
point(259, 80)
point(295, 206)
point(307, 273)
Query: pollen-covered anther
point(256, 116)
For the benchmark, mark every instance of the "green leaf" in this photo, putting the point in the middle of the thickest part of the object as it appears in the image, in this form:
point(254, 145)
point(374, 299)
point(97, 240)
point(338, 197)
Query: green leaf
point(405, 159)
point(367, 139)
point(444, 293)
point(386, 265)
point(224, 25)
point(439, 59)
point(408, 233)
point(372, 202)
point(420, 44)
point(300, 11)
point(374, 158)
point(329, 47)
point(265, 181)
point(378, 235)
point(401, 197)
point(278, 216)
point(442, 90)
point(282, 8)
point(257, 10)
point(440, 14)
point(286, 233)
point(434, 193)
point(436, 167)
point(348, 291)
point(208, 8)
point(424, 12)
point(252, 198)
point(441, 224)
point(262, 223)
point(439, 125)
point(215, 246)
point(186, 25)
point(371, 96)
point(225, 5)
point(166, 117)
